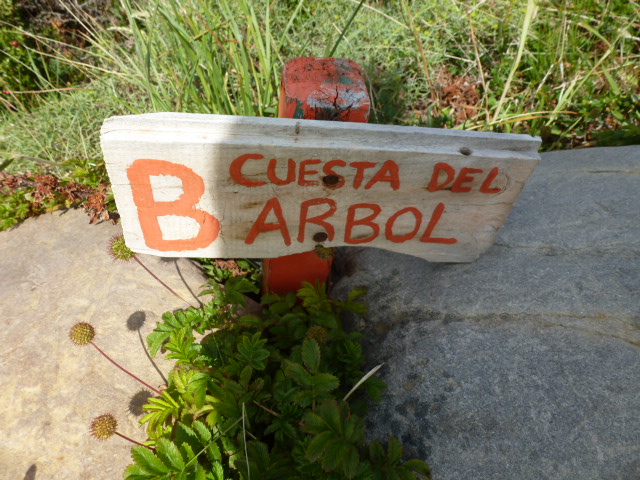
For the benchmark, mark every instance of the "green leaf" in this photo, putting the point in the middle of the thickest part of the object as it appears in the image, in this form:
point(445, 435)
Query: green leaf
point(155, 340)
point(218, 471)
point(311, 354)
point(202, 430)
point(251, 351)
point(314, 423)
point(213, 452)
point(330, 413)
point(199, 473)
point(250, 321)
point(355, 307)
point(147, 460)
point(188, 453)
point(170, 455)
point(332, 456)
point(419, 466)
point(297, 373)
point(319, 445)
point(350, 459)
point(136, 472)
point(245, 376)
point(325, 319)
point(376, 452)
point(395, 451)
point(357, 292)
point(324, 383)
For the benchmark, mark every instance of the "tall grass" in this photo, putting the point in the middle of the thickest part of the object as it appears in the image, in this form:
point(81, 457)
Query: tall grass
point(198, 56)
point(187, 56)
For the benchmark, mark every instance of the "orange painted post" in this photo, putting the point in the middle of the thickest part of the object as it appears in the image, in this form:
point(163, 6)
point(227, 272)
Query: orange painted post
point(315, 88)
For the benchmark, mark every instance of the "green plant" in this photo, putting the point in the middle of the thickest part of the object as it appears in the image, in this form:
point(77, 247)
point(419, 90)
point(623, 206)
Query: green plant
point(221, 270)
point(25, 195)
point(280, 395)
point(15, 73)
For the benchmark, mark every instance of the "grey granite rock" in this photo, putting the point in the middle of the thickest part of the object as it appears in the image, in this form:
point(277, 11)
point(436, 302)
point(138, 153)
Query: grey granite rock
point(526, 363)
point(55, 272)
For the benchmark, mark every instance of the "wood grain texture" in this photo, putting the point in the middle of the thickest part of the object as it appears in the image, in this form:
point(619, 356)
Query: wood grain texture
point(331, 184)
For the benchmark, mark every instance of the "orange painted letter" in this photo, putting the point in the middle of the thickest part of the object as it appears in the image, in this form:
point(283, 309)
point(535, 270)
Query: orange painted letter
point(260, 224)
point(368, 221)
point(291, 172)
point(441, 167)
point(236, 170)
point(390, 172)
point(149, 210)
point(435, 217)
point(486, 185)
point(318, 219)
point(464, 177)
point(302, 181)
point(407, 236)
point(360, 168)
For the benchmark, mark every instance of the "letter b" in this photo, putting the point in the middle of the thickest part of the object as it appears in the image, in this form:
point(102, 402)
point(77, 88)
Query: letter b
point(149, 210)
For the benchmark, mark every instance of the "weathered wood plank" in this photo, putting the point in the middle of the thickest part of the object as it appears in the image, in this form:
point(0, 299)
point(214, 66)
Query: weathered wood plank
point(226, 186)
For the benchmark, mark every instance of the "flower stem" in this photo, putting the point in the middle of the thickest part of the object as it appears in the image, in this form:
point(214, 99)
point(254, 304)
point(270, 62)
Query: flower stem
point(125, 370)
point(133, 441)
point(161, 282)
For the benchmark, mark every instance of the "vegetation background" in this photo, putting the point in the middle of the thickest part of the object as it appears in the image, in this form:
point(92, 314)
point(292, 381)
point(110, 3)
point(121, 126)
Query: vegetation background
point(567, 70)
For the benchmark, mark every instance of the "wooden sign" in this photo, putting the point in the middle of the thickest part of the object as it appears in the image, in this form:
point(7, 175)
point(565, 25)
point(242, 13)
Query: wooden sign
point(227, 187)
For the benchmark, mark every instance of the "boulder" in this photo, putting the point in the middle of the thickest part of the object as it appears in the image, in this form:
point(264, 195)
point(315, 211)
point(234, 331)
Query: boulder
point(54, 273)
point(524, 364)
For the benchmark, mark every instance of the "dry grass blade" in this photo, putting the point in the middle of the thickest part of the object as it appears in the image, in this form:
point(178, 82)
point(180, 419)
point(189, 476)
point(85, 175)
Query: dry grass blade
point(362, 380)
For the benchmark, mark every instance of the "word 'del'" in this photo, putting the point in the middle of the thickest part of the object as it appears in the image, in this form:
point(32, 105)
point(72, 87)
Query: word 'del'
point(222, 186)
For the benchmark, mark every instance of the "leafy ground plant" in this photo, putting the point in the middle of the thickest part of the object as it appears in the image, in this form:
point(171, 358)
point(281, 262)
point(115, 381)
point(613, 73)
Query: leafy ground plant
point(26, 194)
point(270, 396)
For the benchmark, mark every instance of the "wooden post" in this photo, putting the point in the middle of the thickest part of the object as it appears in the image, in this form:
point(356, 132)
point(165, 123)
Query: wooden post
point(315, 88)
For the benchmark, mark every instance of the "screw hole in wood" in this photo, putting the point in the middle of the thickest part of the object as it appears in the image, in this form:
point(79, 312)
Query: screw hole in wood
point(330, 181)
point(320, 237)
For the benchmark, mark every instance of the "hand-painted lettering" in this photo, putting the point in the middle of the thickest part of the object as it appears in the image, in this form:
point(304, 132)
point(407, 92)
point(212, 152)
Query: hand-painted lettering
point(302, 180)
point(486, 185)
point(236, 170)
point(389, 172)
point(464, 177)
point(462, 183)
point(318, 219)
point(417, 214)
point(439, 168)
point(140, 173)
point(261, 225)
point(435, 218)
point(291, 172)
point(366, 221)
point(360, 168)
point(363, 222)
